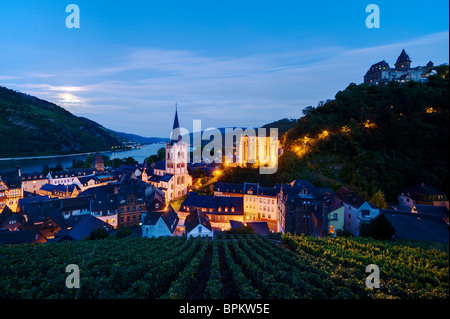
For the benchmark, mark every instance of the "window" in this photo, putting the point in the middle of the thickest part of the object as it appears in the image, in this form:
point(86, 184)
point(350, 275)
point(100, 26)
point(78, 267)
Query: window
point(199, 229)
point(331, 229)
point(365, 213)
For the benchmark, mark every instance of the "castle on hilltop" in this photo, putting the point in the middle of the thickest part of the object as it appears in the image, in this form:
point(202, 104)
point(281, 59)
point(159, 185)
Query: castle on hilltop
point(380, 73)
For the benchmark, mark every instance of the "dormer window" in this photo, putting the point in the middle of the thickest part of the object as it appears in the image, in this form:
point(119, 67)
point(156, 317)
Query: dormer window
point(219, 209)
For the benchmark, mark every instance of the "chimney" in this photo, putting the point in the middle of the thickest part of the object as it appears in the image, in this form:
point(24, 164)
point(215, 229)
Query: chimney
point(18, 171)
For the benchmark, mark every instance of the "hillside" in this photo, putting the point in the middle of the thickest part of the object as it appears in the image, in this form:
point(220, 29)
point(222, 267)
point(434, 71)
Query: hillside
point(241, 267)
point(282, 125)
point(31, 126)
point(369, 138)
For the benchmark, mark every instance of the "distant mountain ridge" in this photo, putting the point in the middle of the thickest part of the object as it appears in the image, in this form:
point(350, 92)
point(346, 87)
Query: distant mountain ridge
point(30, 126)
point(141, 139)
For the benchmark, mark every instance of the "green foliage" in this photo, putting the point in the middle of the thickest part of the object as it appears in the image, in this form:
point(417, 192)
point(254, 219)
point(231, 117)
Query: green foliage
point(168, 267)
point(383, 138)
point(159, 156)
point(282, 125)
point(378, 200)
point(99, 233)
point(123, 232)
point(214, 284)
point(378, 228)
point(30, 126)
point(405, 272)
point(241, 230)
point(57, 168)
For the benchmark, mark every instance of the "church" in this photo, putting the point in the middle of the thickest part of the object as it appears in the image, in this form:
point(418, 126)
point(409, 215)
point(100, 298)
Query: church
point(171, 175)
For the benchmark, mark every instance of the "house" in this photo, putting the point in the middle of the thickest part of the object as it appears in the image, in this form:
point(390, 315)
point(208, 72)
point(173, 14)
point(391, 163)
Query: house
point(82, 229)
point(131, 204)
point(427, 210)
point(10, 221)
point(75, 206)
point(69, 177)
point(409, 226)
point(335, 216)
point(356, 210)
point(23, 202)
point(422, 194)
point(59, 190)
point(10, 189)
point(53, 215)
point(197, 224)
point(32, 182)
point(30, 236)
point(297, 202)
point(88, 181)
point(172, 175)
point(159, 223)
point(219, 209)
point(103, 204)
point(260, 203)
point(37, 211)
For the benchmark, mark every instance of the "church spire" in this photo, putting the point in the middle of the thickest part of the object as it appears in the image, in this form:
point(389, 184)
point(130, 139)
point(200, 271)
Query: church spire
point(176, 124)
point(175, 135)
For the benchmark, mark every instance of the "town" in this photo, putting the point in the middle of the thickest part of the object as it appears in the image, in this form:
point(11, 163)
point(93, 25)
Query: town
point(159, 199)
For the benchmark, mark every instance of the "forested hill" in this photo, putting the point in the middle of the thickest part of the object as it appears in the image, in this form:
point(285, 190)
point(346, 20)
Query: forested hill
point(370, 138)
point(31, 126)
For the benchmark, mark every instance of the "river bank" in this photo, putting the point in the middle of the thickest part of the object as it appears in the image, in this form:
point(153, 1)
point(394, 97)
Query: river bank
point(36, 163)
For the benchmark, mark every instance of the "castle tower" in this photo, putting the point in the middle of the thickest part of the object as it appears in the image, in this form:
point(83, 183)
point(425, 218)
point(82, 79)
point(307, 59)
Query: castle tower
point(403, 61)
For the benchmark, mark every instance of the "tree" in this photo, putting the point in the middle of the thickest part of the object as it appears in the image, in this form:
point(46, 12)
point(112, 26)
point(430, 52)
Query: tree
point(123, 232)
point(161, 154)
point(242, 230)
point(378, 228)
point(99, 233)
point(378, 200)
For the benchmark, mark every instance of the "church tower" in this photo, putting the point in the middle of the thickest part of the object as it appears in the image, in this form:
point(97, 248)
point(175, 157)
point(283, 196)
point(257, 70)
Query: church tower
point(403, 61)
point(176, 162)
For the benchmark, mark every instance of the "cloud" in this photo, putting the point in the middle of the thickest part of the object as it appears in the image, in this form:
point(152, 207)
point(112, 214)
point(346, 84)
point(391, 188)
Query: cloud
point(138, 93)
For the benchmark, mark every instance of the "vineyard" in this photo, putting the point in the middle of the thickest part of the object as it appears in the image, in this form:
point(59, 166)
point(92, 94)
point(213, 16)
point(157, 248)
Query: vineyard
point(245, 267)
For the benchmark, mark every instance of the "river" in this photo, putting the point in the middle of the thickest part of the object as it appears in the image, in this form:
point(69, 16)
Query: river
point(32, 164)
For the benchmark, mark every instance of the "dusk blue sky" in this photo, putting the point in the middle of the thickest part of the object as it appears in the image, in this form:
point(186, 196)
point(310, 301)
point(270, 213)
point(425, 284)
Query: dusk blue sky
point(227, 63)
